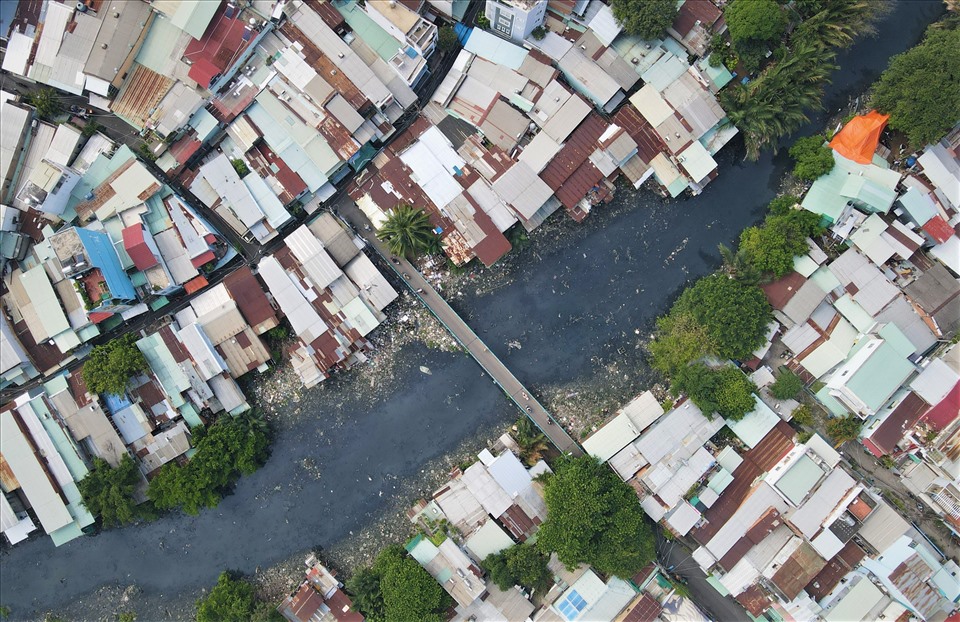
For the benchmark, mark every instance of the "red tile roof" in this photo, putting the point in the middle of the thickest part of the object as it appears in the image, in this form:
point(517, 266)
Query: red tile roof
point(944, 413)
point(646, 609)
point(203, 258)
point(195, 284)
point(219, 47)
point(938, 229)
point(99, 316)
point(135, 245)
point(780, 292)
point(906, 415)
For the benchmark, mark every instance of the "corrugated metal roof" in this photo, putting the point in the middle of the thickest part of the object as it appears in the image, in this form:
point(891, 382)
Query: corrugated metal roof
point(522, 189)
point(22, 462)
point(697, 162)
point(304, 319)
point(140, 94)
point(493, 48)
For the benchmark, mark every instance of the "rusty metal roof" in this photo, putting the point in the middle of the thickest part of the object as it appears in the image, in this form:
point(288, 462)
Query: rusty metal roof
point(582, 142)
point(802, 565)
point(141, 92)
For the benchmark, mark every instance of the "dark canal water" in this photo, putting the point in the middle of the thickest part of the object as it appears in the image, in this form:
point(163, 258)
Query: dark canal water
point(571, 306)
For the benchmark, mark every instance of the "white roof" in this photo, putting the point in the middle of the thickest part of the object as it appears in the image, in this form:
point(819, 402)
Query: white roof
point(697, 161)
point(824, 450)
point(869, 238)
point(683, 518)
point(23, 463)
point(943, 170)
point(651, 104)
point(600, 85)
point(627, 462)
point(604, 25)
point(522, 189)
point(309, 252)
point(208, 361)
point(488, 540)
point(460, 506)
point(755, 425)
point(611, 438)
point(15, 122)
point(228, 392)
point(935, 381)
point(553, 45)
point(306, 322)
point(855, 605)
point(11, 352)
point(18, 53)
point(175, 256)
point(948, 253)
point(65, 141)
point(375, 287)
point(491, 203)
point(510, 473)
point(431, 160)
point(482, 485)
point(809, 517)
point(539, 151)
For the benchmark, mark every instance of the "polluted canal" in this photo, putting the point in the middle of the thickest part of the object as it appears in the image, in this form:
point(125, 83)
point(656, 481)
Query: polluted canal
point(568, 313)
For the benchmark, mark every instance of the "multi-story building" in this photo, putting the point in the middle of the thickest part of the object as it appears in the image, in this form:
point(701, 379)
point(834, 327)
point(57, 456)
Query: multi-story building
point(515, 19)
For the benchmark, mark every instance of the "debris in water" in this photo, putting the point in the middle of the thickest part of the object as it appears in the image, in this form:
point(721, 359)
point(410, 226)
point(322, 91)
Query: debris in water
point(426, 370)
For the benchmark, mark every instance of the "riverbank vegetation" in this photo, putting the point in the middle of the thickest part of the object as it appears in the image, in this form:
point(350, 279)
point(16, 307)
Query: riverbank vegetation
point(233, 598)
point(776, 102)
point(725, 315)
point(108, 492)
point(812, 158)
point(231, 447)
point(396, 587)
point(593, 518)
point(920, 90)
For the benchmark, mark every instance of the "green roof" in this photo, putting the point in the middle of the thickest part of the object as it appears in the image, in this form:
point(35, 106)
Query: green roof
point(165, 367)
point(831, 403)
point(854, 313)
point(372, 34)
point(895, 337)
point(880, 376)
point(799, 479)
point(870, 187)
point(868, 194)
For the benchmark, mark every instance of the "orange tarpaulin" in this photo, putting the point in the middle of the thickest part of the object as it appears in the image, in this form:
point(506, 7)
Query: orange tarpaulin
point(859, 138)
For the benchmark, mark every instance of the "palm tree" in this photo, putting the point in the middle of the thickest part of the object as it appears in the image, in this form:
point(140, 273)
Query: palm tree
point(407, 231)
point(532, 442)
point(737, 266)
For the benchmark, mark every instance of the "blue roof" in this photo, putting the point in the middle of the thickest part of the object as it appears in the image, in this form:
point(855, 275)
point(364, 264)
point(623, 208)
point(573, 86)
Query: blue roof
point(100, 253)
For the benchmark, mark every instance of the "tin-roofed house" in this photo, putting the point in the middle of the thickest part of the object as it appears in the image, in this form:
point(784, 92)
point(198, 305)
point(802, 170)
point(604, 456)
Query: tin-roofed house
point(45, 464)
point(89, 258)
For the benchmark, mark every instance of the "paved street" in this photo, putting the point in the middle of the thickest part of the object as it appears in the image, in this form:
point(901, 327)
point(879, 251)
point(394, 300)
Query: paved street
point(676, 559)
point(459, 329)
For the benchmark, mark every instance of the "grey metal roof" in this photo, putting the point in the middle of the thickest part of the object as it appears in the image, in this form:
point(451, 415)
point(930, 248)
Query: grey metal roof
point(344, 112)
point(804, 302)
point(520, 188)
point(375, 287)
point(334, 238)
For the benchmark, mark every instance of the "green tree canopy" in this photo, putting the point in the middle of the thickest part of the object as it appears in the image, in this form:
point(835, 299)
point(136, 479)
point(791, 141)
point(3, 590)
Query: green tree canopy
point(108, 492)
point(47, 103)
point(398, 588)
point(109, 367)
point(407, 232)
point(812, 158)
point(772, 246)
point(594, 518)
point(782, 204)
point(734, 315)
point(843, 429)
point(755, 21)
point(920, 90)
point(522, 565)
point(232, 599)
point(725, 391)
point(680, 340)
point(447, 38)
point(231, 447)
point(787, 385)
point(647, 18)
